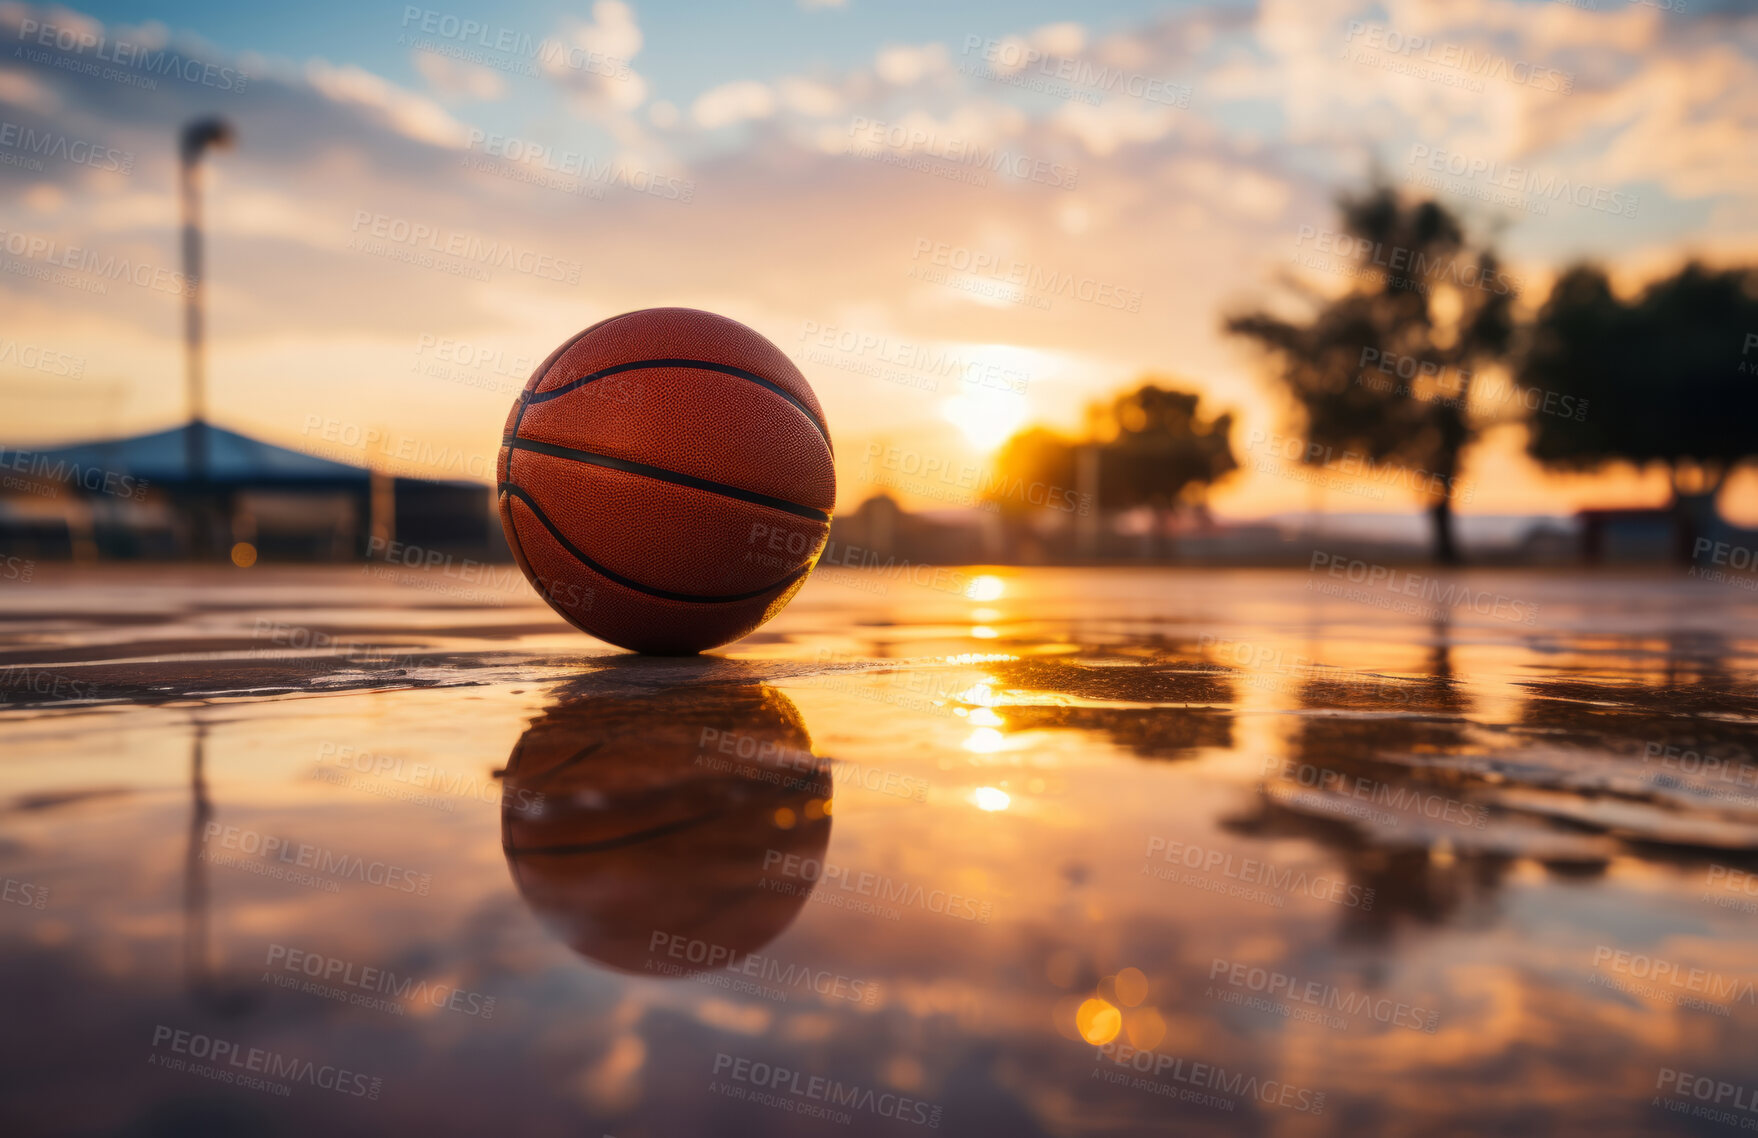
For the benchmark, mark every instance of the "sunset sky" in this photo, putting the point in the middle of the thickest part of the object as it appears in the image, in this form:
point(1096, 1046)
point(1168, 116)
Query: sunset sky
point(1050, 200)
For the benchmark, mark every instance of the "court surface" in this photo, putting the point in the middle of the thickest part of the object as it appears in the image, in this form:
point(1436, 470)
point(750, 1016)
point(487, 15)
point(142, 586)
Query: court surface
point(1008, 852)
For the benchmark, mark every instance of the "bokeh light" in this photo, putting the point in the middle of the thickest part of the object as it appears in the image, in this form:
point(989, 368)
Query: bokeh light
point(1098, 1021)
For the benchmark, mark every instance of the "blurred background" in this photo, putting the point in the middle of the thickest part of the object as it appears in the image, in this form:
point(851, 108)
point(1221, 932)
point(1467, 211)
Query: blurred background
point(1215, 283)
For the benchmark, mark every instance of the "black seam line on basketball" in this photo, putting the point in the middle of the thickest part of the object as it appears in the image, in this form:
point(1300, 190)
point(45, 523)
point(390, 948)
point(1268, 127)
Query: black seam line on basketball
point(562, 767)
point(531, 574)
point(524, 562)
point(664, 829)
point(538, 376)
point(701, 365)
point(627, 467)
point(543, 519)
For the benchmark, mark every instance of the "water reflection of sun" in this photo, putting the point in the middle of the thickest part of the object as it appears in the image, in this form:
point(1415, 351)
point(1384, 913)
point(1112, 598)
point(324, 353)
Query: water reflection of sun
point(985, 587)
point(990, 798)
point(984, 741)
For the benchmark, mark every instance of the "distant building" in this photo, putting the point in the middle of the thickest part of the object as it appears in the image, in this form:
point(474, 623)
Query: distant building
point(143, 496)
point(1661, 535)
point(880, 528)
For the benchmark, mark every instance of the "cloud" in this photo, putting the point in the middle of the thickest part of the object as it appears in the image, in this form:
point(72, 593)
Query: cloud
point(612, 32)
point(1686, 121)
point(1064, 39)
point(732, 103)
point(1232, 187)
point(596, 63)
point(407, 113)
point(459, 80)
point(1110, 126)
point(20, 88)
point(809, 97)
point(906, 65)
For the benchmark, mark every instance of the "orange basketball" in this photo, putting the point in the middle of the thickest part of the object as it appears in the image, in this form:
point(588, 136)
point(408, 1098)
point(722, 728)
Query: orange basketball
point(675, 813)
point(666, 480)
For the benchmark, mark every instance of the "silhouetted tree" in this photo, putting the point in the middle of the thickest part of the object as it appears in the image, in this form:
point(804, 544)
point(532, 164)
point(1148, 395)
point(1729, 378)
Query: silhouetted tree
point(1034, 455)
point(1669, 376)
point(1423, 293)
point(1154, 449)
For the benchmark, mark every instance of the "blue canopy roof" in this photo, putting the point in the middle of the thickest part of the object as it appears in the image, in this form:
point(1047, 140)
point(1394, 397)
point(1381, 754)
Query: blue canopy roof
point(163, 457)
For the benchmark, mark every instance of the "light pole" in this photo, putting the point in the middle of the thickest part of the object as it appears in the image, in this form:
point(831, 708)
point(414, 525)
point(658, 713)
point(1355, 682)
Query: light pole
point(197, 137)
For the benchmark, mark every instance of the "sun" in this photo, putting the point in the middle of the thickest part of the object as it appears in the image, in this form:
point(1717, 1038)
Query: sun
point(992, 395)
point(986, 421)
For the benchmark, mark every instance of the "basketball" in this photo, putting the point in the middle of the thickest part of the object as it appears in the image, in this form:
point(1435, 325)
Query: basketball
point(666, 480)
point(670, 816)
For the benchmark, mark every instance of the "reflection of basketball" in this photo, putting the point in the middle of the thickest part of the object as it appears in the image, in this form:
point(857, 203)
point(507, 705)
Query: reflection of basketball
point(654, 833)
point(666, 480)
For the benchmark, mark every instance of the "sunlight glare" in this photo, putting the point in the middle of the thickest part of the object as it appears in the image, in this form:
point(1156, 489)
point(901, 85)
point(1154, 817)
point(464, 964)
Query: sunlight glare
point(984, 741)
point(987, 422)
point(990, 798)
point(987, 587)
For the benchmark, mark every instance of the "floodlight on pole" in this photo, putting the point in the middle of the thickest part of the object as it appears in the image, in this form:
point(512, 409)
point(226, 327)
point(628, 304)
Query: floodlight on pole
point(197, 138)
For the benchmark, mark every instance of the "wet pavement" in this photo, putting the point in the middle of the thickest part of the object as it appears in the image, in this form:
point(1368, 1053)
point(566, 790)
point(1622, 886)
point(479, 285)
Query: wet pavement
point(1008, 852)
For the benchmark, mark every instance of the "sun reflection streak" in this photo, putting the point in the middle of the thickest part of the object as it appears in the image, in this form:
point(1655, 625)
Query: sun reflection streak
point(981, 695)
point(985, 741)
point(990, 798)
point(986, 587)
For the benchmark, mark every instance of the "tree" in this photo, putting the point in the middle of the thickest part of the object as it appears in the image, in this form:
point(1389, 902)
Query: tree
point(1424, 297)
point(1154, 448)
point(1034, 456)
point(1669, 376)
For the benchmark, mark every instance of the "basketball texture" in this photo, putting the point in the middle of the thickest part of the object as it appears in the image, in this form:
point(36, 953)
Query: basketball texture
point(666, 480)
